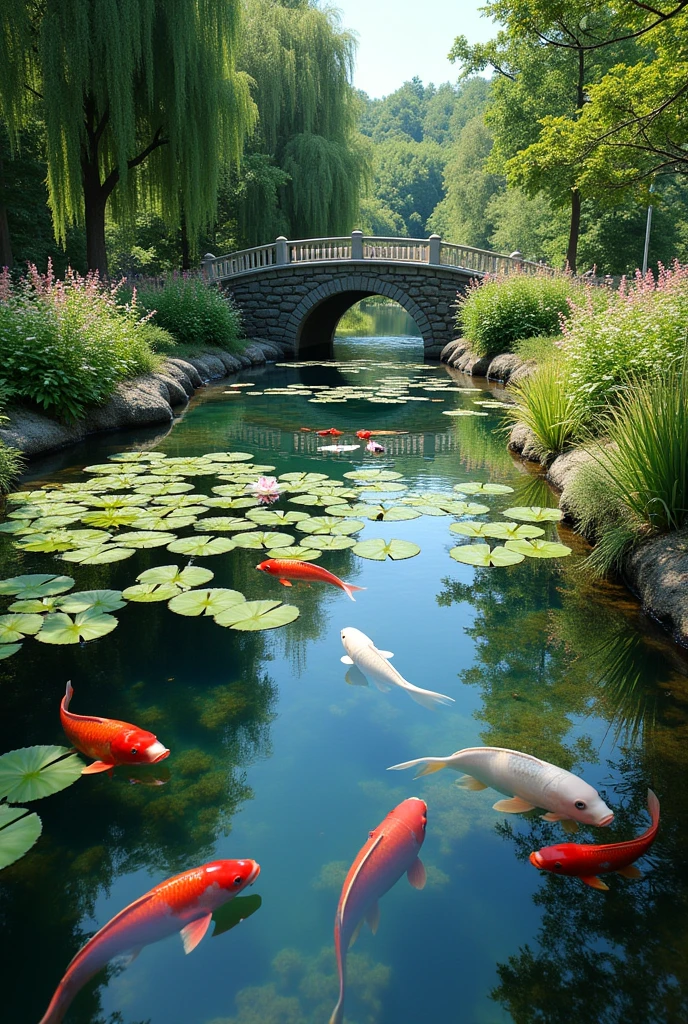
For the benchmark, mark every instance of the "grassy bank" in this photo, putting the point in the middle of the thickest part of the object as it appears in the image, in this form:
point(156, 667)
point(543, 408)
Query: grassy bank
point(611, 375)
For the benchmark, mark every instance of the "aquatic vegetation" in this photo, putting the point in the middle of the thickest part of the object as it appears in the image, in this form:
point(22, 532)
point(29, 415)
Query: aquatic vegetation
point(546, 405)
point(482, 554)
point(253, 615)
point(59, 628)
point(379, 550)
point(534, 514)
point(36, 585)
point(538, 548)
point(483, 488)
point(204, 602)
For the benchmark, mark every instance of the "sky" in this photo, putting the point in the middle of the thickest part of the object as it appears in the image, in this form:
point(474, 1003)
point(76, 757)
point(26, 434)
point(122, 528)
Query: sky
point(398, 39)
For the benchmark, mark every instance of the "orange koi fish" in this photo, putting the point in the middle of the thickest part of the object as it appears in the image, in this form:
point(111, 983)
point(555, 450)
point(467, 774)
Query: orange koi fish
point(332, 432)
point(286, 569)
point(109, 741)
point(363, 434)
point(184, 904)
point(391, 850)
point(588, 861)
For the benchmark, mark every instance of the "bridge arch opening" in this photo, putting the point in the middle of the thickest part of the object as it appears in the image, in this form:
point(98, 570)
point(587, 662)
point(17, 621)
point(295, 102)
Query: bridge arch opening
point(318, 315)
point(374, 322)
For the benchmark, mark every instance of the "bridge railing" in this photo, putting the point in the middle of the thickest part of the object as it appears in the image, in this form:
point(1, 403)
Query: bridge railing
point(357, 246)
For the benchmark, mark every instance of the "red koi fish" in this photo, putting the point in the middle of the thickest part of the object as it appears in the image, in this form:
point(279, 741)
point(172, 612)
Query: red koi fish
point(391, 850)
point(109, 741)
point(286, 569)
point(184, 904)
point(363, 434)
point(332, 432)
point(587, 862)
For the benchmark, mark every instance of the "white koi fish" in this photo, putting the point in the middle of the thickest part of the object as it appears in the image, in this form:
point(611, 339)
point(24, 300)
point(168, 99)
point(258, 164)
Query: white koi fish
point(526, 780)
point(374, 664)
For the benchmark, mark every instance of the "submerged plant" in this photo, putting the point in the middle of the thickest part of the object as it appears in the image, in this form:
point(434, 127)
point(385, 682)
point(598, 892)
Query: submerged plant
point(637, 483)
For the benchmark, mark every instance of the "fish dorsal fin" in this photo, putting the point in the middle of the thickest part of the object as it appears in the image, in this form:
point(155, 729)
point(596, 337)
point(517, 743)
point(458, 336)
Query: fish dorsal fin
point(192, 933)
point(385, 654)
point(416, 874)
point(513, 805)
point(373, 846)
point(373, 917)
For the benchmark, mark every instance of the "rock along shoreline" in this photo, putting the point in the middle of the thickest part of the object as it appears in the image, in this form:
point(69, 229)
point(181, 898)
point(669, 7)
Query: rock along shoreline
point(656, 571)
point(141, 402)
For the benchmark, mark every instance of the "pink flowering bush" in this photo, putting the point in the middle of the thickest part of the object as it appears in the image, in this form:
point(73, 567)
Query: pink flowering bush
point(641, 330)
point(64, 345)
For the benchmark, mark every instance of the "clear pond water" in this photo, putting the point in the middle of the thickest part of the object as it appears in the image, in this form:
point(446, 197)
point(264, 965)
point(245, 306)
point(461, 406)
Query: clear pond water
point(276, 757)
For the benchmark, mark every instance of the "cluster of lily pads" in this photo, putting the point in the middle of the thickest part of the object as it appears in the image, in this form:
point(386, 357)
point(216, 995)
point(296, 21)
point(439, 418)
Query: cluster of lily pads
point(392, 390)
point(30, 773)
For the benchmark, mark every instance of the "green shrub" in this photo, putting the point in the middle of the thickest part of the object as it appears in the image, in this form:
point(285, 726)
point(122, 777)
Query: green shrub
point(65, 344)
point(637, 484)
point(194, 313)
point(11, 459)
point(544, 404)
point(641, 329)
point(541, 349)
point(497, 312)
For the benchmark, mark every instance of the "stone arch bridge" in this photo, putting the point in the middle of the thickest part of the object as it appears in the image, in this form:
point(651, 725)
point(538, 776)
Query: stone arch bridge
point(295, 292)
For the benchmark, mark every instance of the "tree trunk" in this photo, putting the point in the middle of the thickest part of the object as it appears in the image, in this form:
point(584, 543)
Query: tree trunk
point(95, 199)
point(5, 241)
point(574, 231)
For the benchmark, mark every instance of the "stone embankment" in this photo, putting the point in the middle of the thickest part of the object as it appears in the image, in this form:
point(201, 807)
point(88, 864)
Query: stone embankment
point(656, 571)
point(143, 401)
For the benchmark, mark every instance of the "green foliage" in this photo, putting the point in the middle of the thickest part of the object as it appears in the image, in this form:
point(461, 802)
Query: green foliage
point(500, 310)
point(11, 459)
point(637, 484)
point(193, 312)
point(541, 348)
point(64, 345)
point(545, 405)
point(635, 330)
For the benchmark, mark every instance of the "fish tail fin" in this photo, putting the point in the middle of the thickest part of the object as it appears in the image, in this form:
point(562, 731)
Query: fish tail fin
point(428, 698)
point(653, 808)
point(349, 589)
point(69, 693)
point(338, 1012)
point(431, 764)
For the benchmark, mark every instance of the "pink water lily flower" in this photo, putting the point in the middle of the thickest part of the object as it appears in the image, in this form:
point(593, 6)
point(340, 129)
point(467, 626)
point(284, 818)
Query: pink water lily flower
point(266, 488)
point(373, 446)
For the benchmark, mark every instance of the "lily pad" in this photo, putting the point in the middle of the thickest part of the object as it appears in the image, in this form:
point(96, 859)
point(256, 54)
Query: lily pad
point(205, 602)
point(512, 531)
point(465, 508)
point(165, 523)
point(480, 488)
point(32, 773)
point(463, 412)
point(480, 554)
point(330, 525)
point(98, 554)
point(7, 650)
point(228, 502)
point(112, 501)
point(385, 513)
point(323, 500)
point(59, 628)
point(229, 490)
point(16, 626)
point(428, 509)
point(142, 540)
point(112, 520)
point(19, 830)
point(268, 517)
point(379, 549)
point(373, 475)
point(14, 525)
point(47, 542)
point(297, 552)
point(137, 456)
point(99, 600)
point(381, 488)
point(228, 524)
point(538, 548)
point(332, 542)
point(148, 593)
point(190, 576)
point(157, 489)
point(201, 545)
point(472, 529)
point(255, 615)
point(263, 539)
point(534, 514)
point(36, 585)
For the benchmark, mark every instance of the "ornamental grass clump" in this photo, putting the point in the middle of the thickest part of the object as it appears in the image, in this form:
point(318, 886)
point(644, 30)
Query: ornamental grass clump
point(502, 309)
point(11, 459)
point(642, 328)
point(194, 313)
point(637, 484)
point(544, 404)
point(65, 345)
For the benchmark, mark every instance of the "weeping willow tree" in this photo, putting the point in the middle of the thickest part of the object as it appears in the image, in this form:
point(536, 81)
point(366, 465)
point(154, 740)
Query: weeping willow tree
point(142, 103)
point(301, 62)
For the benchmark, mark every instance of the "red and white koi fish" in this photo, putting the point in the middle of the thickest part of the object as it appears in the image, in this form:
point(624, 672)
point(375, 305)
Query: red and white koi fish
point(184, 904)
point(109, 741)
point(588, 861)
point(391, 850)
point(286, 569)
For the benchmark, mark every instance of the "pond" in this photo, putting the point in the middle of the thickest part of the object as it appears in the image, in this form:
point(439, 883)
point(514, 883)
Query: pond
point(279, 751)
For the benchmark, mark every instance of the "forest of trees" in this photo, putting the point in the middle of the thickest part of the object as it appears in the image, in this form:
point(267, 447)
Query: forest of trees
point(138, 161)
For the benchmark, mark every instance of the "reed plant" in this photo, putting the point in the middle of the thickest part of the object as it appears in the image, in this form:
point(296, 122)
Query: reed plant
point(637, 484)
point(545, 405)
